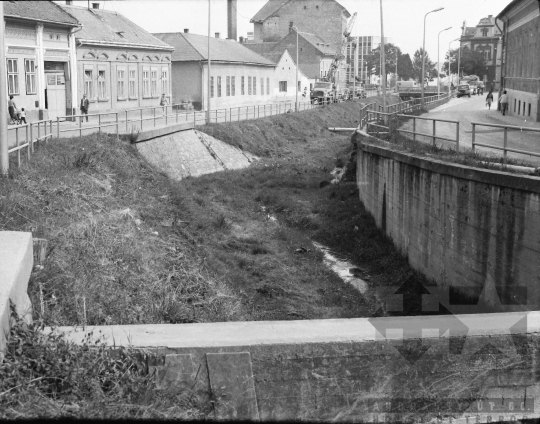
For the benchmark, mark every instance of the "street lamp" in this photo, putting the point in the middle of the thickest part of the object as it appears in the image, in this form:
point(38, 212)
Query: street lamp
point(450, 73)
point(424, 53)
point(4, 154)
point(296, 86)
point(208, 76)
point(438, 64)
point(383, 59)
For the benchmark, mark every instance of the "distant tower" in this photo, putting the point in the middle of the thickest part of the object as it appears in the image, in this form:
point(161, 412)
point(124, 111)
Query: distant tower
point(232, 20)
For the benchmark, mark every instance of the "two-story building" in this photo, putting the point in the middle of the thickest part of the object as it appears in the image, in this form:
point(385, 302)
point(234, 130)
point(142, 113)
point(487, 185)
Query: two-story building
point(520, 73)
point(326, 19)
point(40, 58)
point(119, 65)
point(485, 38)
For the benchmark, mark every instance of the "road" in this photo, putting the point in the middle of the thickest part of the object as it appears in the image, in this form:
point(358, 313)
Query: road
point(468, 110)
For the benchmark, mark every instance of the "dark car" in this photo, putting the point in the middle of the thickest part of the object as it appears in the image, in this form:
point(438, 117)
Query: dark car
point(463, 90)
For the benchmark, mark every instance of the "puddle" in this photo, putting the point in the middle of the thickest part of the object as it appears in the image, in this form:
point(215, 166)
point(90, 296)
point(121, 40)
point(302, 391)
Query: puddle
point(342, 269)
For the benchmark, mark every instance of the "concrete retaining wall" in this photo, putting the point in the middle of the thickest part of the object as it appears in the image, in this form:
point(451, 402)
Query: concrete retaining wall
point(460, 226)
point(344, 369)
point(16, 261)
point(188, 152)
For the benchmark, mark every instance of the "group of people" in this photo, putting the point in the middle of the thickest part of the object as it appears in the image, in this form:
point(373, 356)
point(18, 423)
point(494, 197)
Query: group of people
point(17, 116)
point(503, 101)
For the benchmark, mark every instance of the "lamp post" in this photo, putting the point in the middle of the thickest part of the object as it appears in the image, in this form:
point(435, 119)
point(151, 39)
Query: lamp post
point(438, 64)
point(4, 155)
point(450, 73)
point(297, 66)
point(208, 76)
point(424, 54)
point(383, 59)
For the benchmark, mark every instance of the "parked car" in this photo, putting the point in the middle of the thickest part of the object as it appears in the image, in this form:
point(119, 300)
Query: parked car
point(463, 90)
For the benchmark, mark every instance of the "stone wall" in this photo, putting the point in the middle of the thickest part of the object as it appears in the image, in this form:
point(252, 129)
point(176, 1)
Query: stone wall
point(459, 226)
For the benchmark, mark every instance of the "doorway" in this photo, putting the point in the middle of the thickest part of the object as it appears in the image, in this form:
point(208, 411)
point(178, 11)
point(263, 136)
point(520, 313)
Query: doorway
point(55, 94)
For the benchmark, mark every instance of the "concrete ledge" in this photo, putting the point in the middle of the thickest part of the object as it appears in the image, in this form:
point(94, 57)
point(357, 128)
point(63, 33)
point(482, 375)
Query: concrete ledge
point(337, 370)
point(16, 262)
point(146, 135)
point(487, 176)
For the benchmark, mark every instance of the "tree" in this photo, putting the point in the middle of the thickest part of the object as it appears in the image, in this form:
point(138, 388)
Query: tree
point(472, 62)
point(374, 60)
point(405, 67)
point(430, 70)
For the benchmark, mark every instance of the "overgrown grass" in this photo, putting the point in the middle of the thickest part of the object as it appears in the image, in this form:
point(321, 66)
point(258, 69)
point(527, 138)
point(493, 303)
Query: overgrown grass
point(45, 376)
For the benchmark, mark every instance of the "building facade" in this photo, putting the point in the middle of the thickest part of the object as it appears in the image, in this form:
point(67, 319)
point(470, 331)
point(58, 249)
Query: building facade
point(359, 51)
point(325, 18)
point(40, 59)
point(520, 73)
point(485, 38)
point(119, 65)
point(238, 76)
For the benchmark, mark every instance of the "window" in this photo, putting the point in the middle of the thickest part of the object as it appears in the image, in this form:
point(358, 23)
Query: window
point(165, 80)
point(283, 86)
point(30, 70)
point(233, 86)
point(262, 86)
point(154, 79)
point(13, 76)
point(228, 87)
point(268, 86)
point(242, 88)
point(484, 32)
point(121, 82)
point(254, 86)
point(88, 84)
point(219, 86)
point(102, 86)
point(146, 82)
point(132, 83)
point(529, 109)
point(249, 86)
point(211, 86)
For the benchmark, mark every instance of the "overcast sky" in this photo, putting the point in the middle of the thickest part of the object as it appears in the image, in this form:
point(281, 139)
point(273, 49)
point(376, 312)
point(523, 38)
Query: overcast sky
point(403, 19)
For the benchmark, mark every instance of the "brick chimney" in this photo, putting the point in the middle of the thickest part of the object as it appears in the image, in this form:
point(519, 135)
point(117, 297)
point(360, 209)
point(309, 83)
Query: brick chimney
point(241, 39)
point(217, 34)
point(69, 3)
point(186, 30)
point(232, 25)
point(95, 5)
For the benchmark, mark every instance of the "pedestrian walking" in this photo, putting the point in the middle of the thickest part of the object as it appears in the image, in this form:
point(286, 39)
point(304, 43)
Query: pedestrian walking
point(489, 99)
point(85, 104)
point(504, 102)
point(163, 101)
point(22, 115)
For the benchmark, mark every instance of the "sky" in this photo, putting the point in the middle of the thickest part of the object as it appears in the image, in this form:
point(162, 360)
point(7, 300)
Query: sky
point(403, 19)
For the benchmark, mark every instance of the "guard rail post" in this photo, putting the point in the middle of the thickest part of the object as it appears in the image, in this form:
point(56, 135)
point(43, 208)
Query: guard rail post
point(414, 128)
point(18, 150)
point(434, 138)
point(194, 119)
point(505, 152)
point(141, 121)
point(38, 132)
point(80, 127)
point(27, 141)
point(457, 136)
point(58, 127)
point(99, 123)
point(117, 127)
point(154, 117)
point(50, 127)
point(166, 117)
point(126, 121)
point(473, 135)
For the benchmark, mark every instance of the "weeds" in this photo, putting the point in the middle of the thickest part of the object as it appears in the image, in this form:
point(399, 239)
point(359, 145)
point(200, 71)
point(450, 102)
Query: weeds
point(221, 222)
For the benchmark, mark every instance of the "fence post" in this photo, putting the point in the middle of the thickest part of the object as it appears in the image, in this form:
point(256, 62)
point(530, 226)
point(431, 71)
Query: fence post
point(177, 114)
point(166, 117)
point(126, 121)
point(18, 150)
point(505, 153)
point(473, 135)
point(141, 121)
point(39, 132)
point(414, 128)
point(117, 127)
point(28, 142)
point(154, 117)
point(58, 127)
point(80, 127)
point(457, 137)
point(50, 128)
point(99, 123)
point(195, 119)
point(434, 143)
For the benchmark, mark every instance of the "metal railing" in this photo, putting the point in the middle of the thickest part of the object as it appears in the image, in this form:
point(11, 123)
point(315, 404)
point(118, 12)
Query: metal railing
point(505, 149)
point(24, 137)
point(433, 135)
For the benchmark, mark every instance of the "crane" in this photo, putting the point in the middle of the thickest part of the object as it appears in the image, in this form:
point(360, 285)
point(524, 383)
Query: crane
point(340, 54)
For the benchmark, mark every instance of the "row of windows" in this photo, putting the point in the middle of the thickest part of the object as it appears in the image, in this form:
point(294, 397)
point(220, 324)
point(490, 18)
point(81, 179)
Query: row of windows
point(29, 76)
point(230, 87)
point(126, 83)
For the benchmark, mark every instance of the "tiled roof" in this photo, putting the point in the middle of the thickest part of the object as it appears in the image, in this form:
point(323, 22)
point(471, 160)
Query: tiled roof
point(193, 47)
point(106, 26)
point(318, 43)
point(469, 32)
point(42, 11)
point(273, 6)
point(261, 48)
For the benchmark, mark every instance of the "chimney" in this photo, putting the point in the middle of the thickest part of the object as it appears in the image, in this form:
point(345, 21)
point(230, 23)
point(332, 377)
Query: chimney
point(217, 34)
point(232, 26)
point(186, 30)
point(69, 3)
point(95, 5)
point(241, 39)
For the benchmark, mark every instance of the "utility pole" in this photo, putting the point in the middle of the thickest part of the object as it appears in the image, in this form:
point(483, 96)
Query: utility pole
point(438, 61)
point(424, 55)
point(383, 59)
point(208, 76)
point(297, 65)
point(4, 155)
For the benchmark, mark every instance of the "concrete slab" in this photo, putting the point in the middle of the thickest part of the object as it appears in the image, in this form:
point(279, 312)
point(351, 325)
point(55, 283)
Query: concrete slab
point(16, 262)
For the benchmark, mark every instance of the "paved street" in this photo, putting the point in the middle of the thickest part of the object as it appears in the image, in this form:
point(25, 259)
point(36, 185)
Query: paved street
point(468, 110)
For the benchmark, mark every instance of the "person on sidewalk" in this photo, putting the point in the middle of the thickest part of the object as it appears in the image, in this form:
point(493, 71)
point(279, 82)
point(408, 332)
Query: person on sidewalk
point(12, 109)
point(22, 115)
point(489, 99)
point(504, 102)
point(163, 101)
point(85, 104)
